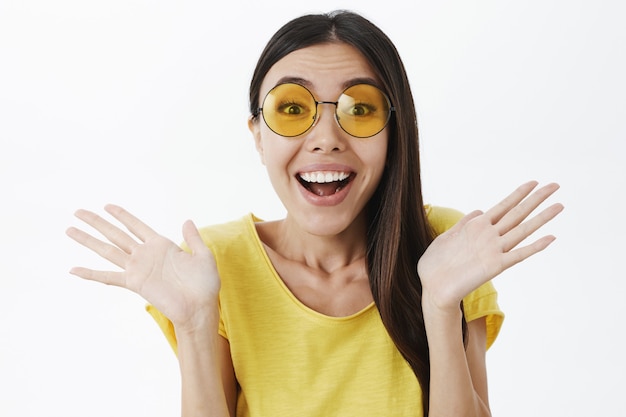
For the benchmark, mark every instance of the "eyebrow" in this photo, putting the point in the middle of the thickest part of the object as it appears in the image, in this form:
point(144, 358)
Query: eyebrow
point(294, 80)
point(348, 83)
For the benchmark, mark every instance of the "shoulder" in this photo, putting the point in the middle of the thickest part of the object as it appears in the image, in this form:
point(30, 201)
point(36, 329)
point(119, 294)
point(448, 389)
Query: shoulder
point(232, 232)
point(223, 235)
point(236, 247)
point(442, 218)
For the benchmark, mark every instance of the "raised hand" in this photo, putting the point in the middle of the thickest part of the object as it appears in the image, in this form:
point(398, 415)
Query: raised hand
point(482, 245)
point(181, 285)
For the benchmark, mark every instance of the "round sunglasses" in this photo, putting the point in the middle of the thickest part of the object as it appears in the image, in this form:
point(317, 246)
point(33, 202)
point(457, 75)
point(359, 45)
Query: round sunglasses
point(362, 110)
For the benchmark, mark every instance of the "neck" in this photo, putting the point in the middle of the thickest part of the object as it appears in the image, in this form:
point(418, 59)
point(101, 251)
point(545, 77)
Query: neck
point(325, 253)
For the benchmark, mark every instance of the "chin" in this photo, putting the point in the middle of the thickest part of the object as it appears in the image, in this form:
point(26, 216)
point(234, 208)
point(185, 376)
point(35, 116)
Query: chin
point(328, 224)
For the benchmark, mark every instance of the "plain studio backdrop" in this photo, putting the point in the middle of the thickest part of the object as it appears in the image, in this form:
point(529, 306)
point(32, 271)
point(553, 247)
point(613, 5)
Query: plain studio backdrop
point(143, 104)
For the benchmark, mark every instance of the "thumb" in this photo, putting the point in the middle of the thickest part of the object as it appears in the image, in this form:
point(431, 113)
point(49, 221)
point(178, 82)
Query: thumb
point(192, 237)
point(464, 220)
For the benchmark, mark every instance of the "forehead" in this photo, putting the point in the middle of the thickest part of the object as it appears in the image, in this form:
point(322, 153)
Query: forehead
point(325, 68)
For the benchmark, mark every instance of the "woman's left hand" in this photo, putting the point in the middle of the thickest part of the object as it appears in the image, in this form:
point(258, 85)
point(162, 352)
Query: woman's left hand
point(482, 245)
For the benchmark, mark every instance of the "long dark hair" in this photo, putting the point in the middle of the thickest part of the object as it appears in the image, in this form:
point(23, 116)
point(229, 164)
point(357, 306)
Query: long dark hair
point(398, 231)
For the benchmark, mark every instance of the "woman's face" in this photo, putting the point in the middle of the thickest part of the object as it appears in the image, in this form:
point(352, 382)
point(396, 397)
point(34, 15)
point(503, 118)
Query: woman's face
point(348, 167)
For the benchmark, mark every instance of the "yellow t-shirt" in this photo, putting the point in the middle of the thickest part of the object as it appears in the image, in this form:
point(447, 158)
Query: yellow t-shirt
point(290, 360)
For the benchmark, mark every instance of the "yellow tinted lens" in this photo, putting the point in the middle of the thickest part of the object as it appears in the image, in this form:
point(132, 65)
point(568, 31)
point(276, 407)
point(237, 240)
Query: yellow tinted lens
point(289, 109)
point(363, 110)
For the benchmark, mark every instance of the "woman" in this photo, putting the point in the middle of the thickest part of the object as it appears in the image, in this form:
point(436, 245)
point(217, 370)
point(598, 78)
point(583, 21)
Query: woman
point(362, 301)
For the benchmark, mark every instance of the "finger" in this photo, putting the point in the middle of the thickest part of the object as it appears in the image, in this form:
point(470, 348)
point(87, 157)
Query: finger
point(521, 211)
point(524, 230)
point(105, 277)
point(132, 223)
point(114, 234)
point(503, 207)
point(518, 255)
point(107, 251)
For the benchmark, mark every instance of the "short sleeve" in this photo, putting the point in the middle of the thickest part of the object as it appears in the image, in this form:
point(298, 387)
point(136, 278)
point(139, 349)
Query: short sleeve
point(165, 325)
point(483, 302)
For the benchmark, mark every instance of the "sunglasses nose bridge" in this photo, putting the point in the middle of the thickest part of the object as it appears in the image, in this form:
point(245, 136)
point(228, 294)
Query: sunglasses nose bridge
point(316, 117)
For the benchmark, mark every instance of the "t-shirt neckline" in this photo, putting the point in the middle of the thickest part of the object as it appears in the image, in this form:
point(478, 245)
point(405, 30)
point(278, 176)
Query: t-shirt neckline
point(251, 220)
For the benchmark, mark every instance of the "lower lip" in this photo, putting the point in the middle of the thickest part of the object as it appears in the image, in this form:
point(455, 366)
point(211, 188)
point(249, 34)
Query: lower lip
point(325, 201)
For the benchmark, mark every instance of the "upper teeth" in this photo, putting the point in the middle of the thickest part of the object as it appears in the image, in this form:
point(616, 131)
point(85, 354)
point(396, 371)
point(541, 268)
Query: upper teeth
point(323, 176)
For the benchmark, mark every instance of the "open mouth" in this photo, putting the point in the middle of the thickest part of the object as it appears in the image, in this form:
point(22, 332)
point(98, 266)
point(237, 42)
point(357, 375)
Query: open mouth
point(324, 183)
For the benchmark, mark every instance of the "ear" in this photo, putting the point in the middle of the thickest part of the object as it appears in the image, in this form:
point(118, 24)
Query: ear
point(255, 129)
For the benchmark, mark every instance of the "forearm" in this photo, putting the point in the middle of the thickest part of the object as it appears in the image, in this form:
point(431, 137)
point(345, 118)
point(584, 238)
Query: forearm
point(452, 391)
point(202, 391)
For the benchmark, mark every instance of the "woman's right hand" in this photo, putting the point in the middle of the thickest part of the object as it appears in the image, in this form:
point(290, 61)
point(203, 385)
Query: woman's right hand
point(183, 286)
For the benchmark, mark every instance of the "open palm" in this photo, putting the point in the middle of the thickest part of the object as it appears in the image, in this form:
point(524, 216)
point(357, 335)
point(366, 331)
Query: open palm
point(482, 245)
point(178, 283)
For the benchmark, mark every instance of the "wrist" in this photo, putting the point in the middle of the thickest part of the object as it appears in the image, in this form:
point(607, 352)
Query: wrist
point(436, 308)
point(203, 322)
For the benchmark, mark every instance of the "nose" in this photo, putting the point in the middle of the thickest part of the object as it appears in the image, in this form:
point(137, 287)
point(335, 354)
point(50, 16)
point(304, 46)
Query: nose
point(325, 135)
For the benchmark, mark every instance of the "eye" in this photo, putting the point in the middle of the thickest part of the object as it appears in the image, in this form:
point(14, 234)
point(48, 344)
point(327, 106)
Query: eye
point(360, 110)
point(291, 108)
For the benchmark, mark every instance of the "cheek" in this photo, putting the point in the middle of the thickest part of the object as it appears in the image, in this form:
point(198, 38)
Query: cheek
point(377, 161)
point(375, 156)
point(277, 153)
